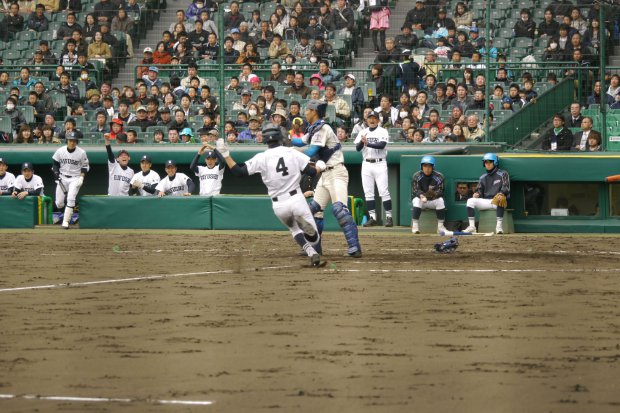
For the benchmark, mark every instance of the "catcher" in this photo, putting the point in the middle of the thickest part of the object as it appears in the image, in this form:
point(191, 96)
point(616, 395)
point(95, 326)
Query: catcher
point(427, 187)
point(492, 193)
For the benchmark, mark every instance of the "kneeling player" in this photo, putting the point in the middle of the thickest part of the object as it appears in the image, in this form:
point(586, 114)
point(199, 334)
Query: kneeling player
point(492, 193)
point(427, 187)
point(280, 168)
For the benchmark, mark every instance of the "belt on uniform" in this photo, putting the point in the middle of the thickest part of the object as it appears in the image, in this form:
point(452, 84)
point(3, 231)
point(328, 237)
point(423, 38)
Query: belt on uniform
point(374, 160)
point(329, 168)
point(69, 176)
point(293, 192)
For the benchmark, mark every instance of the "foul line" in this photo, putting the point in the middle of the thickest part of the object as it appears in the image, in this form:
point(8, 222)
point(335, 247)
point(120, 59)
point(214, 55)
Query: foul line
point(475, 270)
point(104, 399)
point(139, 278)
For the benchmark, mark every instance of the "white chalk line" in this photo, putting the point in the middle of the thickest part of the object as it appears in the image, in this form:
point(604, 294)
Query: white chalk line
point(105, 399)
point(439, 270)
point(139, 278)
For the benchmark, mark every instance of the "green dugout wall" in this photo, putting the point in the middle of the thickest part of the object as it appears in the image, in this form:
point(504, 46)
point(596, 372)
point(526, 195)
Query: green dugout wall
point(577, 179)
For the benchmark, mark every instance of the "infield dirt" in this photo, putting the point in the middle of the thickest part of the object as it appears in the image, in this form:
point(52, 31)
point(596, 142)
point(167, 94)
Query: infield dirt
point(517, 323)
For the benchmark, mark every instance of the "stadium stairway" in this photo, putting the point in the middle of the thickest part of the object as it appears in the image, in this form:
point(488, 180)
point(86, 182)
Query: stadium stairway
point(167, 16)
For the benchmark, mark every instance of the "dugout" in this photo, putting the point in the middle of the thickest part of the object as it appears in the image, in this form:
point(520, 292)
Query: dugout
point(561, 192)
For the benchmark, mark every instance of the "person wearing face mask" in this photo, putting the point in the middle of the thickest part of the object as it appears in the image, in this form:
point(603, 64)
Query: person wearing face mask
point(85, 79)
point(553, 53)
point(17, 118)
point(525, 27)
point(409, 72)
point(197, 7)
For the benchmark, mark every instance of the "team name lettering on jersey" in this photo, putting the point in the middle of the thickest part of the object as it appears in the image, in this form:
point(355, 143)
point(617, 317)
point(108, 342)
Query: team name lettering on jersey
point(175, 189)
point(69, 162)
point(122, 178)
point(210, 176)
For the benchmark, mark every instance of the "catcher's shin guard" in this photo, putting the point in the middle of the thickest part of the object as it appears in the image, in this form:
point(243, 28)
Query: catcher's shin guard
point(316, 208)
point(348, 226)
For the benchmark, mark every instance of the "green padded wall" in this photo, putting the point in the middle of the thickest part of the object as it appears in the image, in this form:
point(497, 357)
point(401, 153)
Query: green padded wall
point(15, 213)
point(145, 212)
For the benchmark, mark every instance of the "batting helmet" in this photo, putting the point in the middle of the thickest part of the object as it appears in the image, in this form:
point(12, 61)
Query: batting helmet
point(271, 133)
point(427, 160)
point(490, 157)
point(210, 154)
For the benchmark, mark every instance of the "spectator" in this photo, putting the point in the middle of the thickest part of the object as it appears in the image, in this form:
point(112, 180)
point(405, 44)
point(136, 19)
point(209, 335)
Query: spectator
point(14, 21)
point(463, 45)
point(356, 93)
point(141, 119)
point(409, 71)
point(472, 131)
point(457, 132)
point(37, 21)
point(250, 134)
point(595, 97)
point(98, 49)
point(65, 31)
point(419, 17)
point(315, 29)
point(443, 21)
point(342, 18)
point(105, 11)
point(343, 111)
point(160, 57)
point(463, 18)
point(195, 8)
point(276, 73)
point(151, 78)
point(580, 139)
point(123, 23)
point(102, 123)
point(549, 27)
point(230, 55)
point(181, 19)
point(559, 137)
point(594, 143)
point(405, 40)
point(479, 102)
point(210, 50)
point(303, 49)
point(244, 101)
point(525, 27)
point(388, 114)
point(278, 48)
point(433, 120)
point(24, 78)
point(433, 135)
point(93, 100)
point(275, 26)
point(293, 31)
point(577, 21)
point(233, 18)
point(574, 119)
point(298, 87)
point(321, 50)
point(379, 23)
point(463, 193)
point(11, 111)
point(173, 136)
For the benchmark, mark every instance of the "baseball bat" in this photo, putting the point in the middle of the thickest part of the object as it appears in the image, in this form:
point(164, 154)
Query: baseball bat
point(453, 233)
point(613, 178)
point(62, 186)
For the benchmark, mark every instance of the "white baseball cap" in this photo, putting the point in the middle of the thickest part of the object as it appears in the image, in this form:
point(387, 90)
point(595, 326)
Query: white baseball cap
point(147, 50)
point(350, 76)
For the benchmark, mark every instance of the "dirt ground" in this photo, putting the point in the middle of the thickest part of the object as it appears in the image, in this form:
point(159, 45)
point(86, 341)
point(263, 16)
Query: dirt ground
point(514, 323)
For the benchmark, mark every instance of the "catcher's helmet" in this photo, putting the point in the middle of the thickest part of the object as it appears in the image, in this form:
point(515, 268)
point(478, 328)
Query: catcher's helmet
point(447, 246)
point(427, 160)
point(490, 157)
point(271, 133)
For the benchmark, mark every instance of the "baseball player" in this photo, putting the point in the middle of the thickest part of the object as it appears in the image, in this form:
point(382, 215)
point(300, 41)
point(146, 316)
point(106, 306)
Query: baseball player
point(210, 176)
point(492, 193)
point(144, 183)
point(119, 172)
point(174, 184)
point(27, 183)
point(280, 168)
point(427, 186)
point(70, 167)
point(372, 142)
point(7, 179)
point(332, 185)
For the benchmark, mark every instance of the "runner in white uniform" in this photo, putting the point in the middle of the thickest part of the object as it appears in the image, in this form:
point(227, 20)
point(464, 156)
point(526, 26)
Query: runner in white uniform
point(7, 179)
point(372, 141)
point(174, 184)
point(70, 167)
point(27, 183)
point(146, 181)
point(210, 176)
point(280, 168)
point(119, 172)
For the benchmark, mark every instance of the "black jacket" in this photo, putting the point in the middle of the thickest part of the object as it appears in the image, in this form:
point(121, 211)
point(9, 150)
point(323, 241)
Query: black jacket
point(524, 29)
point(494, 182)
point(564, 140)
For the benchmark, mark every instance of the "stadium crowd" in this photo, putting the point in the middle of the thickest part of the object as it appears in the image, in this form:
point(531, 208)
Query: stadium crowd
point(440, 98)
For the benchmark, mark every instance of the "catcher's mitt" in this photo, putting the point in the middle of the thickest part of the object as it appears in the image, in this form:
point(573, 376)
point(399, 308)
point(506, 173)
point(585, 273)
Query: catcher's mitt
point(430, 194)
point(500, 200)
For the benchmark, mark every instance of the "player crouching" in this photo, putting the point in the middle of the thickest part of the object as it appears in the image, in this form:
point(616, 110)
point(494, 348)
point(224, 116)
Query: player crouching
point(280, 168)
point(427, 186)
point(492, 193)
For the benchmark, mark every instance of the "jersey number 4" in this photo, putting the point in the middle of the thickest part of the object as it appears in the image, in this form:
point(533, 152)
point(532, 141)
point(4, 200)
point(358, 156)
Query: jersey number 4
point(281, 167)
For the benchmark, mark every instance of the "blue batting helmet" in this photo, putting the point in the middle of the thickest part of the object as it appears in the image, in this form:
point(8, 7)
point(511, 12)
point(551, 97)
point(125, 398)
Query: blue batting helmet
point(490, 157)
point(428, 160)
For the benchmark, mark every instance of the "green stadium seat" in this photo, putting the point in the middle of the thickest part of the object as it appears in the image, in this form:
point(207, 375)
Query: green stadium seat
point(28, 112)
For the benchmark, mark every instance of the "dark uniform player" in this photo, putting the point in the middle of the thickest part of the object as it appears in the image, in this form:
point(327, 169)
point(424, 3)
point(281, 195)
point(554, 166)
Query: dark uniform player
point(427, 186)
point(494, 185)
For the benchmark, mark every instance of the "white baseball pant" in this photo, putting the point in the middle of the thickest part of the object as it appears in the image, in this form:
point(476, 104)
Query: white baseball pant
point(332, 186)
point(375, 173)
point(480, 204)
point(434, 204)
point(295, 213)
point(72, 186)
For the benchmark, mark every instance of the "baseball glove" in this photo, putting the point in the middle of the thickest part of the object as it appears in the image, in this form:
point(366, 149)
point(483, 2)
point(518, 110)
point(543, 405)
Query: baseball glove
point(430, 194)
point(500, 200)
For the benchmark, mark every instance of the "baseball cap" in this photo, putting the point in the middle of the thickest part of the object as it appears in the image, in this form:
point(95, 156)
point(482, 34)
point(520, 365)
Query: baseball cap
point(235, 30)
point(406, 52)
point(280, 112)
point(186, 131)
point(146, 158)
point(148, 50)
point(214, 132)
point(256, 118)
point(170, 162)
point(210, 154)
point(442, 10)
point(506, 100)
point(350, 76)
point(71, 135)
point(246, 92)
point(473, 30)
point(315, 104)
point(27, 165)
point(117, 121)
point(3, 161)
point(165, 109)
point(253, 79)
point(153, 69)
point(141, 108)
point(373, 113)
point(122, 151)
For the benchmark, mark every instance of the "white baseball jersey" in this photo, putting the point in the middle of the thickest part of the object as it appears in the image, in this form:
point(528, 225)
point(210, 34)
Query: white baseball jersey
point(119, 179)
point(7, 181)
point(374, 136)
point(21, 184)
point(151, 178)
point(71, 163)
point(326, 137)
point(177, 186)
point(280, 169)
point(210, 180)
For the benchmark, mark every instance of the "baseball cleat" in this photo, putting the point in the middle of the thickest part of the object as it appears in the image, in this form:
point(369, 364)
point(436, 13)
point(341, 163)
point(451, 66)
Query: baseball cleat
point(370, 223)
point(415, 229)
point(499, 229)
point(389, 222)
point(356, 254)
point(441, 229)
point(471, 229)
point(315, 260)
point(65, 225)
